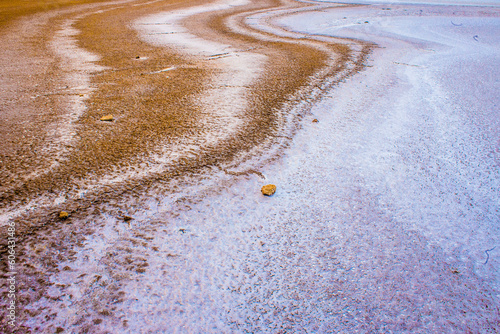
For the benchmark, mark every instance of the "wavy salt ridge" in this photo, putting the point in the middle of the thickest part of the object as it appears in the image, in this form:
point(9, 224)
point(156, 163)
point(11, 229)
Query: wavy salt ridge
point(225, 98)
point(326, 253)
point(76, 66)
point(108, 237)
point(222, 102)
point(332, 251)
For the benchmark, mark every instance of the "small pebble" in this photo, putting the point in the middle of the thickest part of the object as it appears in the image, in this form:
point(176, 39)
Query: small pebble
point(269, 189)
point(107, 118)
point(63, 215)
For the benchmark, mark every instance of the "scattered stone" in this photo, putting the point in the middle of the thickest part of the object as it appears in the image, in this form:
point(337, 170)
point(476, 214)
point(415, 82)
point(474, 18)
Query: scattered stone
point(137, 57)
point(63, 215)
point(127, 218)
point(269, 189)
point(315, 120)
point(107, 118)
point(59, 330)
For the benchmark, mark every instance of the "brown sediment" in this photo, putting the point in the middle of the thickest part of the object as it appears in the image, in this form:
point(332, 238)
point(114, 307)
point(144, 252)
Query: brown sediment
point(13, 9)
point(31, 91)
point(152, 110)
point(147, 108)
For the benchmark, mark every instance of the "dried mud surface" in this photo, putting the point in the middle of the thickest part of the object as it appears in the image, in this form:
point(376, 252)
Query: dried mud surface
point(65, 69)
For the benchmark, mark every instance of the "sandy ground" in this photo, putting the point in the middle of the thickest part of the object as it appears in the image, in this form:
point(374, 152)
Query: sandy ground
point(386, 214)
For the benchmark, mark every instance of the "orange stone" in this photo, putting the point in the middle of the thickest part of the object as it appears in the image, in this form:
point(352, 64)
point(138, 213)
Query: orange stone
point(269, 189)
point(107, 118)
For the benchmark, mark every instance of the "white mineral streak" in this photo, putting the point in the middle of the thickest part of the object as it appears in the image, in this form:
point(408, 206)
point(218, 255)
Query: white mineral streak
point(383, 213)
point(225, 99)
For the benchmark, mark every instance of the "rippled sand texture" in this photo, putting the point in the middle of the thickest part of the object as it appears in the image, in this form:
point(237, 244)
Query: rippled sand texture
point(189, 110)
point(386, 203)
point(159, 96)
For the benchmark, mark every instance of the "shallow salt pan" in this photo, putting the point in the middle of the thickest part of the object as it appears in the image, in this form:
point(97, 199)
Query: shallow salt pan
point(381, 220)
point(432, 148)
point(384, 208)
point(238, 69)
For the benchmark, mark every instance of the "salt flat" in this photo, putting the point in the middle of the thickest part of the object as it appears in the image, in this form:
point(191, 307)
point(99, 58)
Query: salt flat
point(386, 213)
point(385, 208)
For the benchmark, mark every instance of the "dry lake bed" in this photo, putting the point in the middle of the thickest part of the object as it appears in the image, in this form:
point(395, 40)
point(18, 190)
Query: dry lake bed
point(136, 135)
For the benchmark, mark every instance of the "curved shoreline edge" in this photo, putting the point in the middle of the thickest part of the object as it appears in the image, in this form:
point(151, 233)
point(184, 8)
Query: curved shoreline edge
point(386, 209)
point(98, 148)
point(36, 217)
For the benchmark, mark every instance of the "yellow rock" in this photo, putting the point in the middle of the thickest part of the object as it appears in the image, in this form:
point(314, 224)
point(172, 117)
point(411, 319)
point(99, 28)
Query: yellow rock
point(269, 189)
point(63, 215)
point(107, 118)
